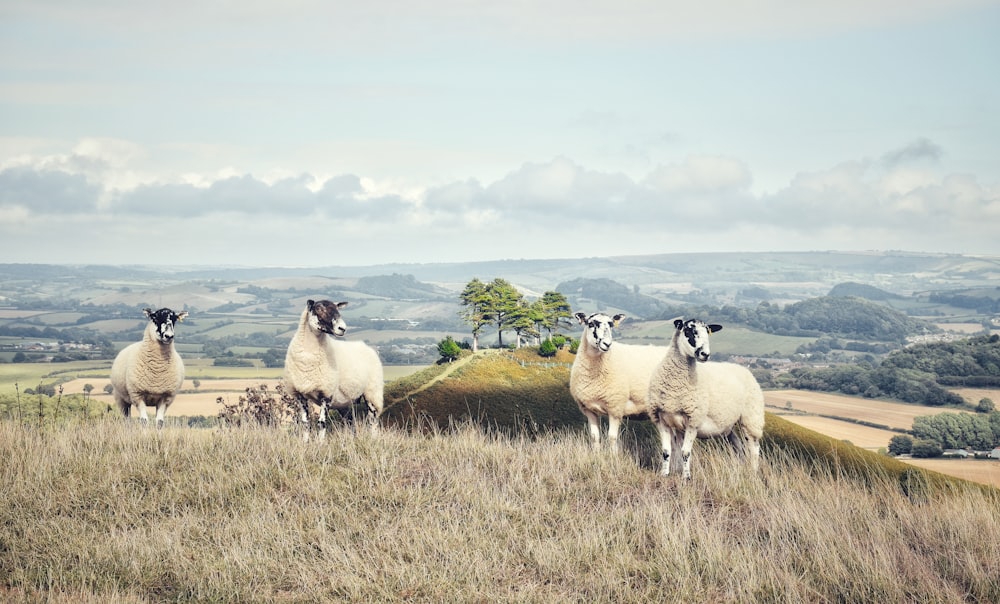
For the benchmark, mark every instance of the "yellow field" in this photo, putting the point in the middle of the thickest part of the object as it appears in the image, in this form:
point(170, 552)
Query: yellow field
point(202, 400)
point(893, 415)
point(880, 412)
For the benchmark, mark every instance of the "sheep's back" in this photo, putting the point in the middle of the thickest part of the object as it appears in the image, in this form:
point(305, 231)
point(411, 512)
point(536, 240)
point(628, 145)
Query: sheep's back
point(620, 375)
point(359, 368)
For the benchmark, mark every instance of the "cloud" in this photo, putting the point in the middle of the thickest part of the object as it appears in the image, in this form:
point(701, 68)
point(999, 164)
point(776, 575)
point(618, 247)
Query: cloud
point(47, 191)
point(702, 202)
point(918, 150)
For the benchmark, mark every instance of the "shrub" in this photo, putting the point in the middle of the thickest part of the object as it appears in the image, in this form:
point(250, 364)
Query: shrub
point(985, 405)
point(900, 444)
point(926, 448)
point(449, 349)
point(547, 349)
point(260, 407)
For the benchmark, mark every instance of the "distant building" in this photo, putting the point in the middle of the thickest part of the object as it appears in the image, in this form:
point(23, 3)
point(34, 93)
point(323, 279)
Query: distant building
point(995, 453)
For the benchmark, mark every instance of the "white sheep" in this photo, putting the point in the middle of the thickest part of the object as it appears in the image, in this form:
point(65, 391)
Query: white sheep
point(311, 374)
point(697, 399)
point(361, 375)
point(149, 372)
point(611, 380)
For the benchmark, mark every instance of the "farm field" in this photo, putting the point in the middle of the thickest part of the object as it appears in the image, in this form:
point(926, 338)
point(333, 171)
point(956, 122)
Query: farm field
point(881, 412)
point(201, 400)
point(894, 415)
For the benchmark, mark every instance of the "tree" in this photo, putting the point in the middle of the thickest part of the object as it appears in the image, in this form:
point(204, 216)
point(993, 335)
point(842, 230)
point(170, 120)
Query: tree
point(476, 300)
point(19, 357)
point(985, 405)
point(87, 389)
point(196, 383)
point(108, 389)
point(901, 444)
point(503, 306)
point(449, 349)
point(556, 310)
point(926, 448)
point(523, 321)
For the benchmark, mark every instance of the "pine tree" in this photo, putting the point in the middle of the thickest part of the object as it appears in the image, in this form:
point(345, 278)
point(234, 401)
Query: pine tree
point(476, 299)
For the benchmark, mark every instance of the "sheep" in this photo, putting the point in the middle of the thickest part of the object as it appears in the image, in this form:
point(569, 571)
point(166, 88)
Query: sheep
point(697, 399)
point(149, 372)
point(361, 375)
point(311, 375)
point(610, 380)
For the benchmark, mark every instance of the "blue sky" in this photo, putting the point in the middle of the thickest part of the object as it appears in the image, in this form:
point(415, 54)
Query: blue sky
point(317, 133)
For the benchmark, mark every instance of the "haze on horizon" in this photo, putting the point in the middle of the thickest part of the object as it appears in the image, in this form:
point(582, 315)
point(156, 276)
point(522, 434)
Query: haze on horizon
point(311, 133)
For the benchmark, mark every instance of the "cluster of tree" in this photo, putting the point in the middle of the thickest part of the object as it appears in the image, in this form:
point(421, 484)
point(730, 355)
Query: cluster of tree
point(983, 303)
point(931, 435)
point(970, 362)
point(500, 304)
point(850, 318)
point(607, 292)
point(907, 385)
point(823, 346)
point(915, 374)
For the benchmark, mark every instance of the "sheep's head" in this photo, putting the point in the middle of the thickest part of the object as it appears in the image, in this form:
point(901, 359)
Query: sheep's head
point(597, 329)
point(163, 322)
point(324, 316)
point(692, 338)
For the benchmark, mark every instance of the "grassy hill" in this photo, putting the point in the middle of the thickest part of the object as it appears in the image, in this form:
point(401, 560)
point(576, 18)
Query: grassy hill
point(483, 487)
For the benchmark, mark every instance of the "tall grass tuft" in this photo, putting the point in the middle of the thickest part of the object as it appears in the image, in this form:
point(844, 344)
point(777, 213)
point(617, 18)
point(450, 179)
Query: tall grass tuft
point(109, 511)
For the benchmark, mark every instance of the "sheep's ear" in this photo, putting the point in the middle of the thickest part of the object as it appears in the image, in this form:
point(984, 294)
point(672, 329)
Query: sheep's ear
point(617, 319)
point(714, 327)
point(582, 318)
point(309, 304)
point(182, 315)
point(678, 323)
point(148, 312)
point(341, 304)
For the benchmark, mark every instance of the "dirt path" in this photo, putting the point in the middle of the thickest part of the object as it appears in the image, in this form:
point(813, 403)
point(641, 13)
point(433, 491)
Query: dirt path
point(452, 367)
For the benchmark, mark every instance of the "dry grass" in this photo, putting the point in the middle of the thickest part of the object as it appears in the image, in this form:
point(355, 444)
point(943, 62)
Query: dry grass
point(111, 512)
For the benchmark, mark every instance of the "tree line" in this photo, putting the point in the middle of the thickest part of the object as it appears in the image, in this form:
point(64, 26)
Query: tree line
point(915, 374)
point(499, 304)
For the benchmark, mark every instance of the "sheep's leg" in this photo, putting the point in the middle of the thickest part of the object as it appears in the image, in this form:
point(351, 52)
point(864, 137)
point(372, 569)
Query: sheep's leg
point(666, 445)
point(372, 415)
point(321, 423)
point(594, 425)
point(690, 434)
point(161, 409)
point(614, 427)
point(303, 415)
point(143, 415)
point(754, 445)
point(737, 442)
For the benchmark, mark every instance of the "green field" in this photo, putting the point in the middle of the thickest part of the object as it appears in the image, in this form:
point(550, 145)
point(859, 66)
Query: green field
point(731, 340)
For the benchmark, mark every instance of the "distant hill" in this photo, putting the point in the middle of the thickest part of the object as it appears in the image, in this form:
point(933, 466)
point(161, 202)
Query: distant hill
point(399, 287)
point(860, 290)
point(597, 294)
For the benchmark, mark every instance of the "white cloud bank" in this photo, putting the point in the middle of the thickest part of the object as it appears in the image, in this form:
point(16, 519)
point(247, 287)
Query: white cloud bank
point(75, 209)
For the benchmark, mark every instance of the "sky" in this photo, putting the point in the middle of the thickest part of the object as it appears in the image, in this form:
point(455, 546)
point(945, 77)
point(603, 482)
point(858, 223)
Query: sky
point(325, 133)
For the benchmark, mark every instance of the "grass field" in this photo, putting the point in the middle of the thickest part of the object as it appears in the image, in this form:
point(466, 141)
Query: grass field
point(102, 513)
